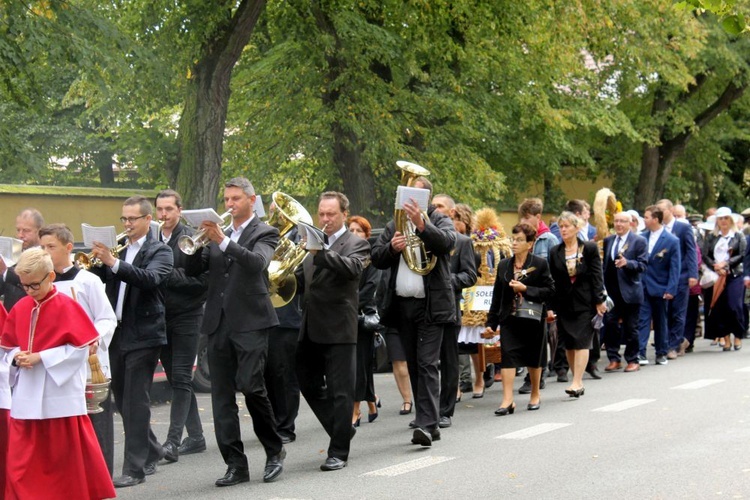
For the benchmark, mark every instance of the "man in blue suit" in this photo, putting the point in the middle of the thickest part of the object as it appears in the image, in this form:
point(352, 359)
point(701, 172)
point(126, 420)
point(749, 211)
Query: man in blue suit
point(625, 258)
point(677, 308)
point(659, 284)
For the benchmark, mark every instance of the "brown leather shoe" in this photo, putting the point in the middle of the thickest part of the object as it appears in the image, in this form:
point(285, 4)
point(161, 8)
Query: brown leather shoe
point(613, 366)
point(683, 347)
point(632, 367)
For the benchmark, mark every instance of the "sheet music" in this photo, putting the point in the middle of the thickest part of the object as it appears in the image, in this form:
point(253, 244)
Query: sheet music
point(105, 235)
point(196, 217)
point(315, 237)
point(258, 207)
point(10, 250)
point(421, 196)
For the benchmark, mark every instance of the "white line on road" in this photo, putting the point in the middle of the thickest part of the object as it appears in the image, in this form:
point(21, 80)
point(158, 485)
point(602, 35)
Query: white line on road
point(533, 431)
point(625, 405)
point(746, 369)
point(410, 466)
point(699, 384)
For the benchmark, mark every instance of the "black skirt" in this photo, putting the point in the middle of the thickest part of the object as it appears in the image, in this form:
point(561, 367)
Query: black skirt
point(575, 331)
point(522, 343)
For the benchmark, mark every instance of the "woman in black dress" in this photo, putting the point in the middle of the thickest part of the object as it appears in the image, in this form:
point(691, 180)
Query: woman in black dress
point(523, 277)
point(579, 295)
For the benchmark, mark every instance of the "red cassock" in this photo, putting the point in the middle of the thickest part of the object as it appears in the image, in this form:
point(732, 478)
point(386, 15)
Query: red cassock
point(4, 420)
point(53, 456)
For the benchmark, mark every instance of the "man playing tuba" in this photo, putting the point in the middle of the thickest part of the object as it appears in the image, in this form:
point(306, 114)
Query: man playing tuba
point(419, 302)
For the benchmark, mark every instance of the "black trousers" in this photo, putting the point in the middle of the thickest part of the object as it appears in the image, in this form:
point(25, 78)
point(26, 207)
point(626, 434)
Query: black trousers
point(628, 335)
point(237, 361)
point(281, 378)
point(132, 377)
point(326, 374)
point(364, 389)
point(449, 370)
point(691, 318)
point(422, 343)
point(177, 358)
point(104, 427)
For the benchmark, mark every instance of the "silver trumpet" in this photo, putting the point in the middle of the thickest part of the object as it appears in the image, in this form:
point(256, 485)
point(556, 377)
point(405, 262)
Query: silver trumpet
point(191, 244)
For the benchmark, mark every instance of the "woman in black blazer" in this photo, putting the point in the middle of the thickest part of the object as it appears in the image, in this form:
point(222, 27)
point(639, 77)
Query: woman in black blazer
point(522, 341)
point(576, 267)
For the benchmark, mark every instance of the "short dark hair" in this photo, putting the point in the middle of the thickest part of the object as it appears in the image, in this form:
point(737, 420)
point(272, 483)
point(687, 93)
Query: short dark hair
point(341, 197)
point(59, 231)
point(425, 182)
point(575, 206)
point(142, 201)
point(655, 212)
point(242, 183)
point(530, 206)
point(170, 193)
point(526, 230)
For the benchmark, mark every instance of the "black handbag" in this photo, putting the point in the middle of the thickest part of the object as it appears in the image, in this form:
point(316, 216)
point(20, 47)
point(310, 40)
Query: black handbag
point(525, 309)
point(369, 322)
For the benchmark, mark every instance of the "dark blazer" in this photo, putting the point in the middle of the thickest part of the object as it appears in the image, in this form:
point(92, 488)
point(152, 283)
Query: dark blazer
point(746, 262)
point(628, 276)
point(663, 270)
point(187, 284)
point(439, 237)
point(238, 280)
point(541, 287)
point(463, 267)
point(143, 321)
point(330, 280)
point(737, 251)
point(688, 257)
point(10, 289)
point(588, 289)
point(368, 284)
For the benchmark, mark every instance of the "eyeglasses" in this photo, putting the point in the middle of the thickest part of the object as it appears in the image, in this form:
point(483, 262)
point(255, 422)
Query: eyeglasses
point(33, 286)
point(131, 220)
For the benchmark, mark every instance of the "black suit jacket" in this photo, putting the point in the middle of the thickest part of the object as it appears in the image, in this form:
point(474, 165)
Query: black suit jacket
point(10, 288)
point(330, 280)
point(588, 289)
point(238, 280)
point(187, 283)
point(439, 237)
point(143, 321)
point(539, 283)
point(628, 276)
point(463, 269)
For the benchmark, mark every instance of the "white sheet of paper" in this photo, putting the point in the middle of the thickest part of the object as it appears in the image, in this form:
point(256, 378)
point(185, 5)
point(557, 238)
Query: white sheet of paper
point(196, 217)
point(258, 207)
point(9, 247)
point(315, 237)
point(105, 235)
point(405, 193)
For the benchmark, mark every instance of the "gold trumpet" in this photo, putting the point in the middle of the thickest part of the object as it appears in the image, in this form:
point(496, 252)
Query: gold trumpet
point(417, 257)
point(87, 260)
point(191, 244)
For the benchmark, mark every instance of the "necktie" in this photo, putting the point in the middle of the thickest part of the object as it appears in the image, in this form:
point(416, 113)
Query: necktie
point(617, 248)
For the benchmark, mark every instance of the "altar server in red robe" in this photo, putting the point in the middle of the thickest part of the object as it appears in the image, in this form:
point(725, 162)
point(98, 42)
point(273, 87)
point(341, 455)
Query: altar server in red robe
point(4, 409)
point(46, 341)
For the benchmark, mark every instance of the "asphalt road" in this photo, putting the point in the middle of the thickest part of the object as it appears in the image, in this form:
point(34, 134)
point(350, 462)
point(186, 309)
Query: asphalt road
point(676, 431)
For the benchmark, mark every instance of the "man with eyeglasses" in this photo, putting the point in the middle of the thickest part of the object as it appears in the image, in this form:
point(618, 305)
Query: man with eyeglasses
point(28, 223)
point(133, 283)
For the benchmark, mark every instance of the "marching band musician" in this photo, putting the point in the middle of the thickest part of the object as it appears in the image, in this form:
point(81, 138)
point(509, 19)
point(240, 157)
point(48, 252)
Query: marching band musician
point(420, 307)
point(28, 223)
point(47, 338)
point(184, 299)
point(86, 289)
point(238, 317)
point(133, 282)
point(326, 354)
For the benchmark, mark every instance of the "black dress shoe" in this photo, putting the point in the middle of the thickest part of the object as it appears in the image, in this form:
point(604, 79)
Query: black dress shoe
point(421, 437)
point(287, 439)
point(333, 463)
point(192, 445)
point(445, 422)
point(435, 435)
point(149, 469)
point(593, 371)
point(413, 424)
point(126, 481)
point(562, 376)
point(234, 476)
point(274, 466)
point(171, 452)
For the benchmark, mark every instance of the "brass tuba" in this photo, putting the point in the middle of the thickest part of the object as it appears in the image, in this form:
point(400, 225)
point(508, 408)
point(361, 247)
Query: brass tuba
point(286, 214)
point(417, 257)
point(87, 260)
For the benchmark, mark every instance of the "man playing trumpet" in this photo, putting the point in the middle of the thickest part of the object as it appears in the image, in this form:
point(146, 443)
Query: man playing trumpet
point(133, 282)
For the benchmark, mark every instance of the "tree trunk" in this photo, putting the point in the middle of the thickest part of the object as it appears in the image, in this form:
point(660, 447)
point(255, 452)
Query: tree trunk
point(103, 162)
point(197, 170)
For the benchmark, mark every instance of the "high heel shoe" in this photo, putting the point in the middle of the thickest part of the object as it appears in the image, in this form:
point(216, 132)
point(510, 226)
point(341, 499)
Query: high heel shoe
point(458, 398)
point(405, 408)
point(575, 393)
point(506, 410)
point(737, 347)
point(532, 407)
point(377, 402)
point(356, 422)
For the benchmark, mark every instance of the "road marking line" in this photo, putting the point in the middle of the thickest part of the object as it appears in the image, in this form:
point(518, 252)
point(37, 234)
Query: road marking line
point(746, 369)
point(625, 405)
point(699, 384)
point(410, 466)
point(533, 431)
